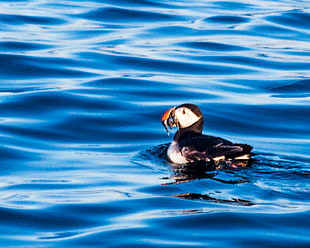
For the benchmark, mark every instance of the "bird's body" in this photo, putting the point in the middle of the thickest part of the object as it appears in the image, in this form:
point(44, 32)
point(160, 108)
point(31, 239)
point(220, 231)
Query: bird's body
point(190, 145)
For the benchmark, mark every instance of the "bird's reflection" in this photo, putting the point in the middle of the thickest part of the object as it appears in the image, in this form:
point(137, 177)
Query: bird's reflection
point(195, 196)
point(189, 172)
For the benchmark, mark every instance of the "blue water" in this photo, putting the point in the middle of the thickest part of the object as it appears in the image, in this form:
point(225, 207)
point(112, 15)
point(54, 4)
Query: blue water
point(83, 87)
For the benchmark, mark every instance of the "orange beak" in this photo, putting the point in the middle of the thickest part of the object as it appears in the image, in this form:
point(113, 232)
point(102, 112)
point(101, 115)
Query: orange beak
point(168, 119)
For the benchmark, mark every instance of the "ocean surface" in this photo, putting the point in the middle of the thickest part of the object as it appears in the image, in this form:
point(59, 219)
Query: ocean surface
point(83, 86)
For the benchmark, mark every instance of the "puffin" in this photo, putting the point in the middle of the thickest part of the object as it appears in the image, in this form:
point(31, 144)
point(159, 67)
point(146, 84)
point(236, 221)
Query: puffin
point(189, 145)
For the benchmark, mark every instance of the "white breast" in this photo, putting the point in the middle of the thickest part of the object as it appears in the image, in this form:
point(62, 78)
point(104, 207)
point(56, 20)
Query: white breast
point(175, 155)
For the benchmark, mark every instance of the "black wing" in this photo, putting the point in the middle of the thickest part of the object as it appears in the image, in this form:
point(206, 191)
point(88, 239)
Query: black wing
point(204, 147)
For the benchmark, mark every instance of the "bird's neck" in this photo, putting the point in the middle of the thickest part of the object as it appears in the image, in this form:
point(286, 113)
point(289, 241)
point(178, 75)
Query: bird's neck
point(196, 128)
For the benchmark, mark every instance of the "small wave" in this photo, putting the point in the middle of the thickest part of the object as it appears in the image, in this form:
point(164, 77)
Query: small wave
point(122, 15)
point(28, 19)
point(295, 19)
point(227, 19)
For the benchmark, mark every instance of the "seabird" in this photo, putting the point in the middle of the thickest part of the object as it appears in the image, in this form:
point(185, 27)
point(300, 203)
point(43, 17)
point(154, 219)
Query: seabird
point(189, 145)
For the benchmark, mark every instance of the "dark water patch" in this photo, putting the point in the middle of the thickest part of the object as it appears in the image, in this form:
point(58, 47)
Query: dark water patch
point(36, 133)
point(299, 53)
point(140, 90)
point(43, 185)
point(212, 46)
point(240, 223)
point(83, 129)
point(293, 95)
point(105, 211)
point(128, 84)
point(252, 120)
point(41, 219)
point(101, 61)
point(227, 19)
point(276, 31)
point(100, 130)
point(22, 46)
point(9, 90)
point(154, 65)
point(266, 63)
point(291, 19)
point(53, 101)
point(66, 131)
point(11, 154)
point(300, 86)
point(295, 89)
point(120, 15)
point(177, 31)
point(24, 19)
point(21, 66)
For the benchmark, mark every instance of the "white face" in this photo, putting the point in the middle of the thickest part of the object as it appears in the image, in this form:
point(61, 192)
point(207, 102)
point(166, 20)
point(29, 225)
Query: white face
point(185, 117)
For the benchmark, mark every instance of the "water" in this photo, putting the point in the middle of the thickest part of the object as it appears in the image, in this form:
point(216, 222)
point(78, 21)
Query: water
point(83, 87)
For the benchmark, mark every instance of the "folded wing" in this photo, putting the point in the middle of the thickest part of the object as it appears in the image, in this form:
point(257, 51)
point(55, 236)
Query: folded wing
point(197, 147)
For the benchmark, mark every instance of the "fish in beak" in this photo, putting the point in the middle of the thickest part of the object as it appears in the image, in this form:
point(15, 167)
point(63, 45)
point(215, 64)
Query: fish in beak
point(169, 120)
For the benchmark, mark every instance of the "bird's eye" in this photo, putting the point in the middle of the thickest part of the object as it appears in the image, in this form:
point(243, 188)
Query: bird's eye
point(183, 112)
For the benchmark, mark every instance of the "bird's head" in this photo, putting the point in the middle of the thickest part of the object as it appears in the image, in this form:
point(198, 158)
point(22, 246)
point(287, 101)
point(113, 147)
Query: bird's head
point(183, 116)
